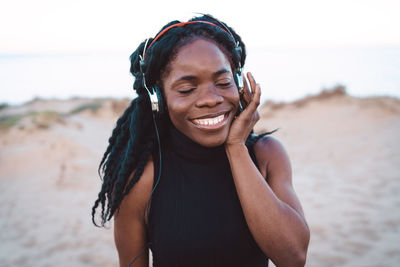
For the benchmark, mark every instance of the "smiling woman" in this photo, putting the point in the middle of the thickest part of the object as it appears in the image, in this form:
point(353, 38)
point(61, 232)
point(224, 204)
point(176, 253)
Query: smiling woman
point(184, 175)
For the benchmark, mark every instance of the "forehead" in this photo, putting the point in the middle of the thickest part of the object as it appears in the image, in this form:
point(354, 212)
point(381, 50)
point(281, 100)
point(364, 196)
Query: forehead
point(200, 55)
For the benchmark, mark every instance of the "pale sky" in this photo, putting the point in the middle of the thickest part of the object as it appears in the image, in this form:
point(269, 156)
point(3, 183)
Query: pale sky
point(56, 26)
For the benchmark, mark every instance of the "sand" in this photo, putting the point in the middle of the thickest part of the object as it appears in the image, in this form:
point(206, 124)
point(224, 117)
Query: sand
point(344, 153)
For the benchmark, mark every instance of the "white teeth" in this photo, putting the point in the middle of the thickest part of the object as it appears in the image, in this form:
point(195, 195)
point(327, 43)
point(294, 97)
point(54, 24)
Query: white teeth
point(209, 121)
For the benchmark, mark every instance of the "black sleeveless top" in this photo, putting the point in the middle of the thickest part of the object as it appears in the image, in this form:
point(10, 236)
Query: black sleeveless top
point(195, 216)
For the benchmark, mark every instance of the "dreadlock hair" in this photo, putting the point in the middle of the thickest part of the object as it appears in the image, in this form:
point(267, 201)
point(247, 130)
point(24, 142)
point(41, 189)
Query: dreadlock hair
point(133, 139)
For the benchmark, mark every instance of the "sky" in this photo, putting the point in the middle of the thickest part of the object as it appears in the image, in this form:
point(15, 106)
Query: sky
point(64, 48)
point(68, 26)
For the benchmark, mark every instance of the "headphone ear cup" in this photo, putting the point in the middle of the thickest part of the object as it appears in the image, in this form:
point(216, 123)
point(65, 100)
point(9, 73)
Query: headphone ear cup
point(161, 104)
point(238, 78)
point(235, 78)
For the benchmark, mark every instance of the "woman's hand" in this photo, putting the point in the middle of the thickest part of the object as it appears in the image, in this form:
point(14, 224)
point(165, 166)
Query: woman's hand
point(244, 123)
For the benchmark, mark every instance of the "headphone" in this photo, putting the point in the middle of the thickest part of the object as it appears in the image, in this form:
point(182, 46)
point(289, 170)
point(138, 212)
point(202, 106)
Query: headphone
point(157, 105)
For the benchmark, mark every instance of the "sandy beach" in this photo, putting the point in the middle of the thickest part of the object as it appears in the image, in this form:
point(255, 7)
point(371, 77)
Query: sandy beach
point(346, 171)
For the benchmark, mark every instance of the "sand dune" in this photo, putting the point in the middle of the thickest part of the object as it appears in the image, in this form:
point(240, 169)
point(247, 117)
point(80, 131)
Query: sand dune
point(344, 152)
point(346, 164)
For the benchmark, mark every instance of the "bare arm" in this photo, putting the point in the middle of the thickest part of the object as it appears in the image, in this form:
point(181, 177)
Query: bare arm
point(272, 210)
point(129, 223)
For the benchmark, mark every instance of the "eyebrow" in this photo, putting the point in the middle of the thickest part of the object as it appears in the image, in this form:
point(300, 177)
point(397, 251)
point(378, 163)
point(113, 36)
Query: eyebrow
point(192, 77)
point(221, 71)
point(186, 78)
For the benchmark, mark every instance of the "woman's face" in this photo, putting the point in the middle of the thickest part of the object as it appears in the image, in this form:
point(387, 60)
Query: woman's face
point(200, 93)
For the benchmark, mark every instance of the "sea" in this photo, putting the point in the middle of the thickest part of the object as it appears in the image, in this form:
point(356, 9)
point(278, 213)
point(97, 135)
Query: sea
point(285, 74)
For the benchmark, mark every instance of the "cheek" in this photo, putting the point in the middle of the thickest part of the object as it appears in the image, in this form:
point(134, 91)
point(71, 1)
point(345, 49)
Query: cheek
point(233, 97)
point(177, 109)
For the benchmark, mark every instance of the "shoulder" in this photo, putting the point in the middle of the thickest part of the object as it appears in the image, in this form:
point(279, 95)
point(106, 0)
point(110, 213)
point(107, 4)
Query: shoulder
point(272, 158)
point(269, 146)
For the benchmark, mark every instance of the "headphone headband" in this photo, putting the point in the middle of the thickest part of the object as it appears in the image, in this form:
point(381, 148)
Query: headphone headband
point(180, 24)
point(154, 93)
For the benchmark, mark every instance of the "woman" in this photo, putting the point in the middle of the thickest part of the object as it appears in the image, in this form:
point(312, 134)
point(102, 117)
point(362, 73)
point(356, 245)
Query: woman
point(190, 180)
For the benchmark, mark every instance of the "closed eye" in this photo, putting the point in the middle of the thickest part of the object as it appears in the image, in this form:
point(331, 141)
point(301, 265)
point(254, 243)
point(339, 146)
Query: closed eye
point(224, 84)
point(185, 92)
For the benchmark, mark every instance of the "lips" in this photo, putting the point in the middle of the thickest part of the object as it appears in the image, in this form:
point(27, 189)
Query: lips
point(211, 122)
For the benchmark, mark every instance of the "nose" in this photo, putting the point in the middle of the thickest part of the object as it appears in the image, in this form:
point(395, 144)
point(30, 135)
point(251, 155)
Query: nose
point(209, 97)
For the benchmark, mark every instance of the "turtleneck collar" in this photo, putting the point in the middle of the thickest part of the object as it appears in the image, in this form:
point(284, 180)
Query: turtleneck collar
point(187, 148)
